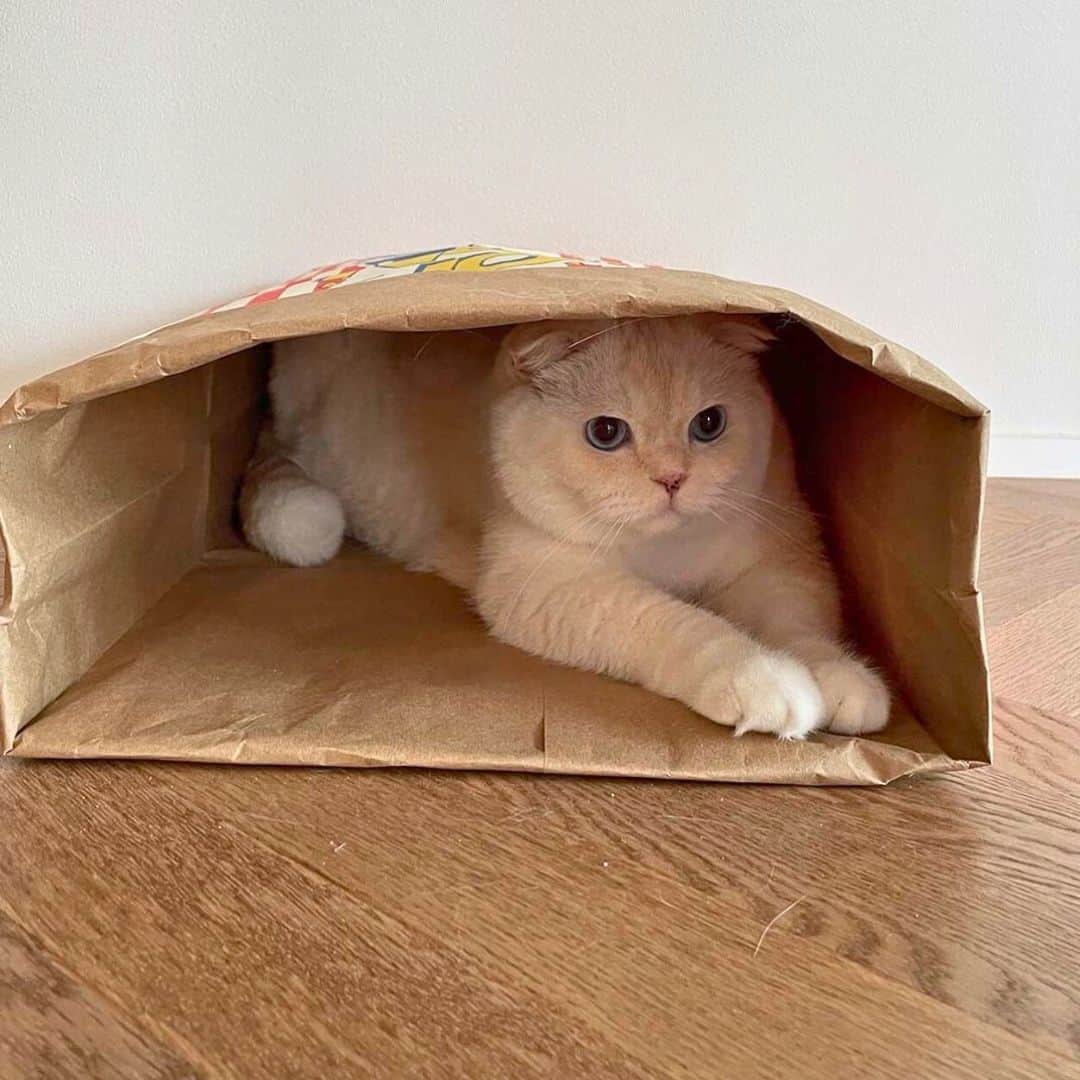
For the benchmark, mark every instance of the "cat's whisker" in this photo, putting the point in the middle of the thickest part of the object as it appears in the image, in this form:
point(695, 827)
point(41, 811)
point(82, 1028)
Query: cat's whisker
point(730, 499)
point(605, 544)
point(795, 511)
point(753, 515)
point(760, 519)
point(420, 352)
point(803, 544)
point(552, 550)
point(607, 330)
point(612, 531)
point(618, 532)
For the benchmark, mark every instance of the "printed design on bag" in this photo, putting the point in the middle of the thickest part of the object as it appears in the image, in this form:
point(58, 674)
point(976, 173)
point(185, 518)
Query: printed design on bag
point(469, 257)
point(465, 257)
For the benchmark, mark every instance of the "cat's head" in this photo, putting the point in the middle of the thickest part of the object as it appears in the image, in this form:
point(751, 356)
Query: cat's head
point(639, 425)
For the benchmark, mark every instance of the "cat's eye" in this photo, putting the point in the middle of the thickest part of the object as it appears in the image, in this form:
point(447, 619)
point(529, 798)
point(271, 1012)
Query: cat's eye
point(607, 432)
point(709, 424)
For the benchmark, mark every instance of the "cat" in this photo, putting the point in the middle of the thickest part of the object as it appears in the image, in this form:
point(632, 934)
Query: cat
point(618, 496)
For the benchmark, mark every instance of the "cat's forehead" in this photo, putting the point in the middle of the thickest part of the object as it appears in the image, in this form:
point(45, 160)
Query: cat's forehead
point(654, 366)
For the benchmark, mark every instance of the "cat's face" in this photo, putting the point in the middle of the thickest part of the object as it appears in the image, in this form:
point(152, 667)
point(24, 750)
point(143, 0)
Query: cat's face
point(636, 427)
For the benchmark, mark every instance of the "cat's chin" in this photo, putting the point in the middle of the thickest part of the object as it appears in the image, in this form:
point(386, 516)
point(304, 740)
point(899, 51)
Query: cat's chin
point(662, 521)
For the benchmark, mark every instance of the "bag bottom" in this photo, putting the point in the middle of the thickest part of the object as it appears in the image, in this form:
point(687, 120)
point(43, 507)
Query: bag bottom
point(362, 663)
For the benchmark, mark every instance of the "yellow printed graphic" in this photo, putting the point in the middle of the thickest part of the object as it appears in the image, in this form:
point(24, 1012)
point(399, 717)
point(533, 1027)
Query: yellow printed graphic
point(456, 257)
point(469, 257)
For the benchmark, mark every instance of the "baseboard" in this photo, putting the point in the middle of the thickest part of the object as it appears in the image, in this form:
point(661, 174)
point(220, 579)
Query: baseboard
point(1035, 455)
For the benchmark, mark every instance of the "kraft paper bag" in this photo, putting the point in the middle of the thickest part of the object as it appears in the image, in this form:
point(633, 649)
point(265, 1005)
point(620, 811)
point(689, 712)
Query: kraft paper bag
point(136, 624)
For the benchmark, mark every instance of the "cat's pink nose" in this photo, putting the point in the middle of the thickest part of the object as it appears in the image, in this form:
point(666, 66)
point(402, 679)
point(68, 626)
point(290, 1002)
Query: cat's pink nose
point(670, 482)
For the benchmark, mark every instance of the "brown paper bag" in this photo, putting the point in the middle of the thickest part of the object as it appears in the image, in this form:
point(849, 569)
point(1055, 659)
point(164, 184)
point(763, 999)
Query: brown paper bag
point(135, 624)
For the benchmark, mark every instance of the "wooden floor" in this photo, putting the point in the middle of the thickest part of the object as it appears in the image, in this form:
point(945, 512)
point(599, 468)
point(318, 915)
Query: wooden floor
point(168, 921)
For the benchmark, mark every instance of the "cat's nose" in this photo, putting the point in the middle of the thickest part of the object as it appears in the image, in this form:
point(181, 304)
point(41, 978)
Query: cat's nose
point(670, 482)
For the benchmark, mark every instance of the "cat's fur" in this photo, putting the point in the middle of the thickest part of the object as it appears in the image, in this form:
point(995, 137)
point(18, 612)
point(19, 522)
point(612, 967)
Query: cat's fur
point(718, 595)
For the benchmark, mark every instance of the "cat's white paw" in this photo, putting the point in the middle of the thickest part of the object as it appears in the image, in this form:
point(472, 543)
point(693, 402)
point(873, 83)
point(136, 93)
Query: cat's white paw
point(856, 699)
point(778, 695)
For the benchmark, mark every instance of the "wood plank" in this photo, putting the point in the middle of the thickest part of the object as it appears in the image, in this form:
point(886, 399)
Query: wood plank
point(940, 909)
point(1028, 566)
point(1035, 657)
point(264, 965)
point(1060, 498)
point(53, 1027)
point(1040, 747)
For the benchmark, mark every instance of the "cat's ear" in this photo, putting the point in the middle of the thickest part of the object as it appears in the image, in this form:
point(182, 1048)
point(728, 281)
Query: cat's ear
point(747, 333)
point(532, 347)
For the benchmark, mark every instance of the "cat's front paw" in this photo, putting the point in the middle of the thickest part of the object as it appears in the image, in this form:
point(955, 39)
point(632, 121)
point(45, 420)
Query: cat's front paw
point(856, 699)
point(778, 695)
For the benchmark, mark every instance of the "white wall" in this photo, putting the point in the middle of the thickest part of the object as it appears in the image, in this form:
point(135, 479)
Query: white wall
point(914, 163)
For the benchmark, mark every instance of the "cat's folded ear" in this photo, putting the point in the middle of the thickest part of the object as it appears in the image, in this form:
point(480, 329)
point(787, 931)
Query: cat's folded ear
point(749, 334)
point(532, 347)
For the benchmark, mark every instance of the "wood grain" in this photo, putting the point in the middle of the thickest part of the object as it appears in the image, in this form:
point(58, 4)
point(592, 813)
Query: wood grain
point(54, 1025)
point(199, 921)
point(1037, 655)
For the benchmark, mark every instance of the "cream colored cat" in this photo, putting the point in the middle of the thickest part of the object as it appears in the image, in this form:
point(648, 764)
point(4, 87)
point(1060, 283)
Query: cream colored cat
point(617, 496)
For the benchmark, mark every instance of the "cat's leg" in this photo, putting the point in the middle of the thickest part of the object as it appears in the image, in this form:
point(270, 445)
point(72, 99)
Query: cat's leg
point(286, 514)
point(569, 606)
point(792, 604)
